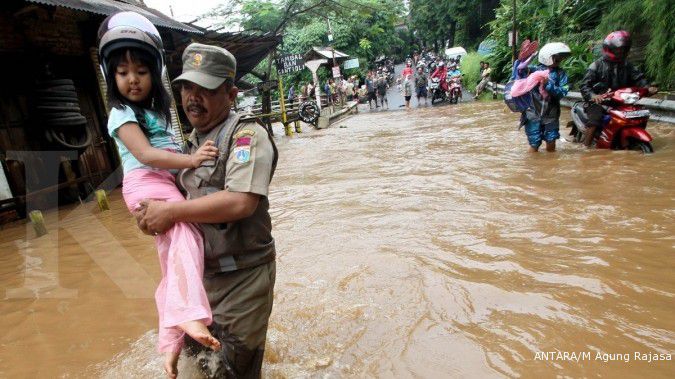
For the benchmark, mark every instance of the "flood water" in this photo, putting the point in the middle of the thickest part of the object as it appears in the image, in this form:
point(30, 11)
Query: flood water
point(423, 244)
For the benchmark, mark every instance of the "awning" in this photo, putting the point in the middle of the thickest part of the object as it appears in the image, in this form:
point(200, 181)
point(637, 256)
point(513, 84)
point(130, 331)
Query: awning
point(325, 53)
point(107, 7)
point(455, 52)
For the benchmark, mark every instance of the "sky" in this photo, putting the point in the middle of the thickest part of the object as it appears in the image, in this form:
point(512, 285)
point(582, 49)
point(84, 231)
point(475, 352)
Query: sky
point(184, 10)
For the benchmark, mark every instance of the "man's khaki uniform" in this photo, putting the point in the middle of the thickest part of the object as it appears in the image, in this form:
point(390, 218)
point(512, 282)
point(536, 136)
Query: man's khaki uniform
point(239, 256)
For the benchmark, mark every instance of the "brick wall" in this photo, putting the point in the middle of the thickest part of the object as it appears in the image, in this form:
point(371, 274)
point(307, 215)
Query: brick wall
point(47, 29)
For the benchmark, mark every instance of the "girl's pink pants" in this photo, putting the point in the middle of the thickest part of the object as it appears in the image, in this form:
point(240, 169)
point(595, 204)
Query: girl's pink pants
point(180, 295)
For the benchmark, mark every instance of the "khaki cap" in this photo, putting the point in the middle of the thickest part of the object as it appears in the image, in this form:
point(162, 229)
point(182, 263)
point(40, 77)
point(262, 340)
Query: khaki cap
point(207, 66)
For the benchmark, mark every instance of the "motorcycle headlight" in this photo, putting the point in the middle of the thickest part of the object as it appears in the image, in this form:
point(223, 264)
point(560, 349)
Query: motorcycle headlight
point(630, 98)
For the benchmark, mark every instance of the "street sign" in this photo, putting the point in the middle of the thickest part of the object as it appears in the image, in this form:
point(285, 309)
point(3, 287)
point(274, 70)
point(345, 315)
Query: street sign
point(290, 63)
point(352, 63)
point(336, 71)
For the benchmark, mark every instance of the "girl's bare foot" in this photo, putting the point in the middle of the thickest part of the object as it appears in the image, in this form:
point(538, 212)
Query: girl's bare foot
point(201, 334)
point(171, 364)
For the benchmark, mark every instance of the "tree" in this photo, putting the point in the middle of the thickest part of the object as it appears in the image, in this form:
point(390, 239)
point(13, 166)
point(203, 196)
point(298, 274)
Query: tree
point(446, 23)
point(582, 24)
point(361, 28)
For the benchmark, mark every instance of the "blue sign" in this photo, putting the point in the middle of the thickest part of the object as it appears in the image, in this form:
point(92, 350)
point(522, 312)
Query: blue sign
point(352, 63)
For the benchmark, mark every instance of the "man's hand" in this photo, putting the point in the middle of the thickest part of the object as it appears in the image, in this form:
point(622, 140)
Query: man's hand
point(207, 151)
point(139, 213)
point(601, 97)
point(598, 98)
point(156, 218)
point(652, 90)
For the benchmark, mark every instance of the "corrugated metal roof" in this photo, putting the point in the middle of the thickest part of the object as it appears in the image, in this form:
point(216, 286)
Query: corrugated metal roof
point(107, 7)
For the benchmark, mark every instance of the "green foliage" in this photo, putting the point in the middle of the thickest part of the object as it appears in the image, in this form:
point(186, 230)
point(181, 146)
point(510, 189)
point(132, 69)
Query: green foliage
point(471, 70)
point(655, 19)
point(364, 44)
point(452, 22)
point(361, 28)
point(582, 24)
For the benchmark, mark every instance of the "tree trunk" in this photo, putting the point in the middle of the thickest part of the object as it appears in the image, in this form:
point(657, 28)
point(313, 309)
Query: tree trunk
point(451, 33)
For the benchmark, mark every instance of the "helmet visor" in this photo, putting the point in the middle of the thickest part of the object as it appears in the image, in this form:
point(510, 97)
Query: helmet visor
point(619, 52)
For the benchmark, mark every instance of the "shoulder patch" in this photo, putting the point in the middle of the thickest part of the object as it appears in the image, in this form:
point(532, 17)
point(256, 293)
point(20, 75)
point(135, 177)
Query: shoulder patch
point(242, 154)
point(244, 133)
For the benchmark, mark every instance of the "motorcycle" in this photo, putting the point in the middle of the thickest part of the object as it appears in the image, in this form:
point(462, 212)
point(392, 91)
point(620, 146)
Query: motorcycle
point(624, 125)
point(455, 89)
point(437, 92)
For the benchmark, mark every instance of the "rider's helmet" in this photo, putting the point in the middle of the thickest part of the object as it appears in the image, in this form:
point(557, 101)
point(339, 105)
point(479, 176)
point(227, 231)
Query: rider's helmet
point(616, 46)
point(125, 30)
point(441, 64)
point(552, 52)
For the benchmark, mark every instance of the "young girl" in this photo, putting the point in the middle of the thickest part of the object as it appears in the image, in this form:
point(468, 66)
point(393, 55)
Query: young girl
point(138, 122)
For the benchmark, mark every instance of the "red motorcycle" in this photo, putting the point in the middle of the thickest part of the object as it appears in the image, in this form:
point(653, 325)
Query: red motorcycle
point(624, 125)
point(455, 89)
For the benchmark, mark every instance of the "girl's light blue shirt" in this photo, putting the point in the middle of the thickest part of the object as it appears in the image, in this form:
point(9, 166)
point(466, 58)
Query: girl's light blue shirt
point(159, 135)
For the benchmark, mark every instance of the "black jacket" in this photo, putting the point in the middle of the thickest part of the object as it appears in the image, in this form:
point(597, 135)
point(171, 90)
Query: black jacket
point(613, 75)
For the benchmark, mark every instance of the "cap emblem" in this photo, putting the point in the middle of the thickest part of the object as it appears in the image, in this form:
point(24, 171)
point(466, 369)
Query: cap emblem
point(197, 60)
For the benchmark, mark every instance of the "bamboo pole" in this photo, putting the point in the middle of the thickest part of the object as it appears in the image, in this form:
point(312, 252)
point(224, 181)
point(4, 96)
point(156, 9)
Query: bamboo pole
point(38, 222)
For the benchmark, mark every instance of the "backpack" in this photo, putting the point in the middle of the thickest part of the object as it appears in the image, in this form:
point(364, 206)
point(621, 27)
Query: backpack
point(517, 104)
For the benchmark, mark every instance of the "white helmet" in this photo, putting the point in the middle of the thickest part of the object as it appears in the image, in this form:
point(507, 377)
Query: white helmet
point(550, 49)
point(124, 30)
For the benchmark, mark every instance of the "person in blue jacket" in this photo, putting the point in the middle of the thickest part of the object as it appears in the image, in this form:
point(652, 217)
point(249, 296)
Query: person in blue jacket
point(543, 120)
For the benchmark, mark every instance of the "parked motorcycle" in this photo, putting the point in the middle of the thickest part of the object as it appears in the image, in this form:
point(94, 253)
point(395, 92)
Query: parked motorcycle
point(624, 125)
point(437, 92)
point(455, 89)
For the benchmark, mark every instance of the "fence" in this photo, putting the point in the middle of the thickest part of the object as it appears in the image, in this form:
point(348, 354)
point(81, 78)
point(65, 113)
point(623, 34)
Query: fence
point(660, 109)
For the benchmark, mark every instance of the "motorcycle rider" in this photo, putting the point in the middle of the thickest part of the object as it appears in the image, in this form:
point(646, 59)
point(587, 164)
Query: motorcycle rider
point(611, 72)
point(407, 71)
point(453, 71)
point(543, 121)
point(441, 72)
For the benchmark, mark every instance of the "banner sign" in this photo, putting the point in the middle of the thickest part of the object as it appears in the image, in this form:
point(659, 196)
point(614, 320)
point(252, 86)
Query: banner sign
point(336, 71)
point(352, 63)
point(290, 63)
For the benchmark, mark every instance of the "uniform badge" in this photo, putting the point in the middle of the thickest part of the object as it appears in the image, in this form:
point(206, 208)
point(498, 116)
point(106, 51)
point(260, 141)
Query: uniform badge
point(244, 133)
point(242, 154)
point(197, 60)
point(242, 146)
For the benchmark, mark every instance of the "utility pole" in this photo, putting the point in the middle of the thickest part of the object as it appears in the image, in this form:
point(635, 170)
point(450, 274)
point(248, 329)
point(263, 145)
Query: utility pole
point(332, 48)
point(330, 40)
point(513, 35)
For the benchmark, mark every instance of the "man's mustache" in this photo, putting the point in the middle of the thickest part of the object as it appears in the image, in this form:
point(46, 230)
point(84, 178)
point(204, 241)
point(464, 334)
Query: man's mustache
point(195, 107)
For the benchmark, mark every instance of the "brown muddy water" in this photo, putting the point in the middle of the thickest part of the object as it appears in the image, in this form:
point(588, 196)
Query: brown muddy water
point(422, 244)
